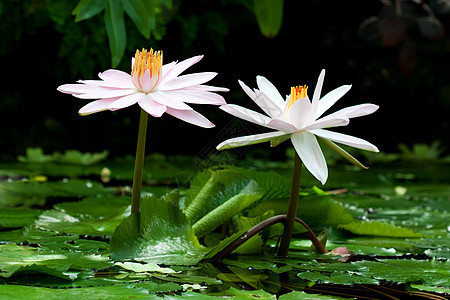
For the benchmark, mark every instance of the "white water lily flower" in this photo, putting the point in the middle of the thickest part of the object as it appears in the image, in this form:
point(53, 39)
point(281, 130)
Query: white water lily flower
point(155, 87)
point(300, 120)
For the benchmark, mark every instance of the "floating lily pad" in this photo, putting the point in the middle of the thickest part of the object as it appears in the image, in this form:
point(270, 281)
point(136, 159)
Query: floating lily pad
point(90, 216)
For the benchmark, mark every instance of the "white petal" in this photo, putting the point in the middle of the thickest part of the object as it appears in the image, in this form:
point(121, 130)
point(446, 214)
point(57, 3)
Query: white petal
point(282, 125)
point(117, 78)
point(105, 93)
point(249, 140)
point(309, 151)
point(317, 91)
point(126, 101)
point(269, 107)
point(190, 116)
point(356, 111)
point(75, 88)
point(247, 90)
point(186, 81)
point(345, 139)
point(270, 91)
point(327, 122)
point(172, 70)
point(152, 107)
point(169, 99)
point(96, 106)
point(246, 114)
point(197, 96)
point(300, 113)
point(207, 88)
point(330, 99)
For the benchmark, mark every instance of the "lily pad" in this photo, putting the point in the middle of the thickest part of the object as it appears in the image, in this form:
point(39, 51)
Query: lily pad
point(90, 216)
point(160, 233)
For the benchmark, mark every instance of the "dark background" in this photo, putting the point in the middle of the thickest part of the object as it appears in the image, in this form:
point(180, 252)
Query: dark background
point(42, 47)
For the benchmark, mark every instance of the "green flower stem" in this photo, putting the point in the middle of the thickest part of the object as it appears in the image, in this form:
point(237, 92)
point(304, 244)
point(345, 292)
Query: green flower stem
point(139, 164)
point(292, 208)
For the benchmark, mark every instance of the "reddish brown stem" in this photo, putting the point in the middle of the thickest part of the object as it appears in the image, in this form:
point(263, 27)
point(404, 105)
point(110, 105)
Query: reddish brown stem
point(260, 227)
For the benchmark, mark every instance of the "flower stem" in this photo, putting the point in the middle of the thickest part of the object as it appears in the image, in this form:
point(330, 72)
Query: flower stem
point(292, 208)
point(139, 164)
point(260, 227)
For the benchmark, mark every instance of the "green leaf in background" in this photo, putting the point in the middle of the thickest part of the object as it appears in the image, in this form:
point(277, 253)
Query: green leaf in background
point(269, 14)
point(34, 155)
point(140, 11)
point(115, 28)
point(86, 9)
point(13, 217)
point(159, 234)
point(77, 158)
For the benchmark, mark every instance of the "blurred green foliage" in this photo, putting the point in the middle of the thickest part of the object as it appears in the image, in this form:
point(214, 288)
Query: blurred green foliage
point(46, 43)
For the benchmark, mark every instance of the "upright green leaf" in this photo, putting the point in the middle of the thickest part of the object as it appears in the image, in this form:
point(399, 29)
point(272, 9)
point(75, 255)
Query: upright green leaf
point(159, 234)
point(86, 9)
point(115, 28)
point(139, 12)
point(269, 14)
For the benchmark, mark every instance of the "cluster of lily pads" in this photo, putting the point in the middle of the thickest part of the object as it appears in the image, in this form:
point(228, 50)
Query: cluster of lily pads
point(57, 233)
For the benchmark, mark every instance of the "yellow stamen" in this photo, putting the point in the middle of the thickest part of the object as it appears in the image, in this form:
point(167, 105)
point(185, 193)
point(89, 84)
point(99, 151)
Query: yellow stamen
point(147, 60)
point(297, 93)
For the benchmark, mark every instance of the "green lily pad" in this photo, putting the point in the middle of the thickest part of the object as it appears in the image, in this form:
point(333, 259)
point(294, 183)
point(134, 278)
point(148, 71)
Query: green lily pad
point(379, 229)
point(90, 216)
point(159, 234)
point(65, 264)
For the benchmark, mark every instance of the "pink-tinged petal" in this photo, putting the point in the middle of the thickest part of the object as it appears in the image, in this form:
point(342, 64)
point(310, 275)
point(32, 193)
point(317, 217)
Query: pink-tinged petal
point(317, 91)
point(355, 111)
point(146, 84)
point(330, 99)
point(165, 69)
point(126, 101)
point(309, 151)
point(270, 91)
point(272, 109)
point(106, 93)
point(246, 114)
point(116, 78)
point(207, 88)
point(190, 116)
point(152, 107)
point(169, 99)
point(197, 96)
point(249, 140)
point(172, 71)
point(282, 125)
point(96, 106)
point(300, 113)
point(345, 139)
point(78, 88)
point(327, 122)
point(186, 81)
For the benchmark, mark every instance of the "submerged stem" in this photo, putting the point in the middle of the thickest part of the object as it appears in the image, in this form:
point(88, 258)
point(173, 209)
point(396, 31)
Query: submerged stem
point(139, 164)
point(292, 207)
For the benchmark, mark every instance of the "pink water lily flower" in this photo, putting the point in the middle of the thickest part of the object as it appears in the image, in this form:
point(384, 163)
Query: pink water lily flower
point(155, 87)
point(300, 120)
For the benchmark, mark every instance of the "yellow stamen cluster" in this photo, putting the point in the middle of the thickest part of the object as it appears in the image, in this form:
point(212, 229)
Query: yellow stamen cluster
point(147, 60)
point(297, 93)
